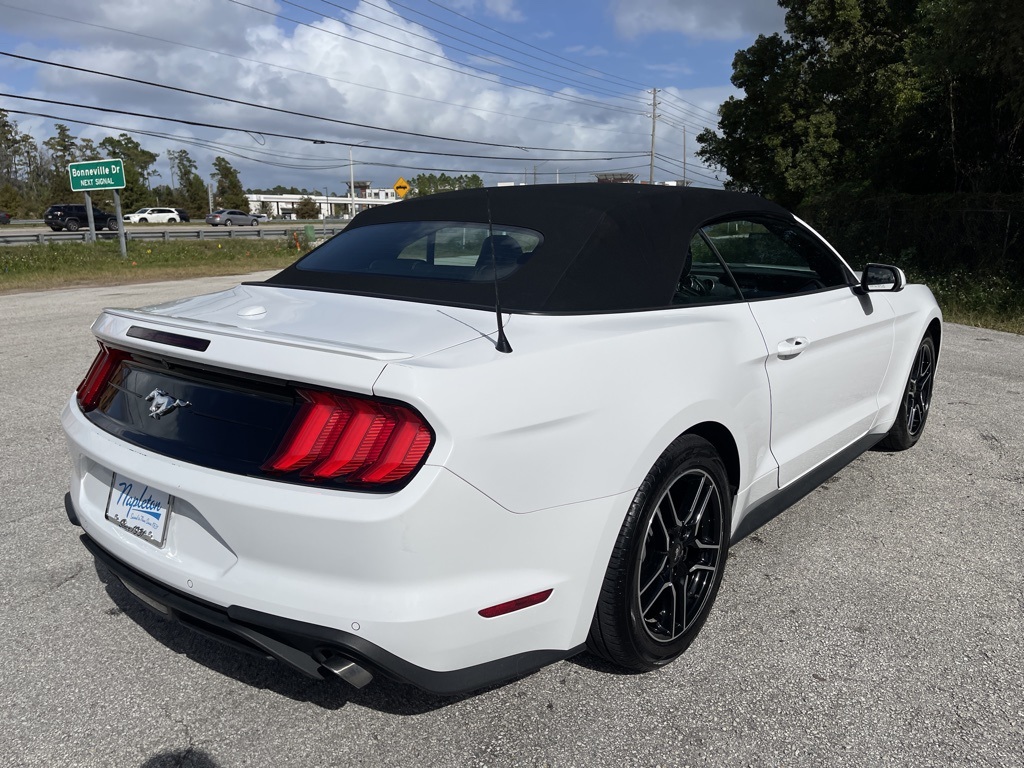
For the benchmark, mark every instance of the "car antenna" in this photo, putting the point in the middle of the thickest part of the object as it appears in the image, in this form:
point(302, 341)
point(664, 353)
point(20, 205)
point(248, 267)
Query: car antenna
point(501, 344)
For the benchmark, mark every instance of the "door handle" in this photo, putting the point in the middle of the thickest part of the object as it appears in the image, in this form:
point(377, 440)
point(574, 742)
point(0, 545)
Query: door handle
point(793, 347)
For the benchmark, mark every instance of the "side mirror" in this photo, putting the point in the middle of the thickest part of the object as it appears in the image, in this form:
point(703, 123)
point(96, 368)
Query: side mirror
point(881, 277)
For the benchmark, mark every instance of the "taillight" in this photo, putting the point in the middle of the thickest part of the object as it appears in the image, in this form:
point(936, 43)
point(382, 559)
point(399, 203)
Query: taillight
point(99, 374)
point(351, 439)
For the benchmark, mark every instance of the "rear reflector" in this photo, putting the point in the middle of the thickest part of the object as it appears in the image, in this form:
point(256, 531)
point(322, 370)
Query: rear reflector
point(99, 374)
point(352, 439)
point(515, 605)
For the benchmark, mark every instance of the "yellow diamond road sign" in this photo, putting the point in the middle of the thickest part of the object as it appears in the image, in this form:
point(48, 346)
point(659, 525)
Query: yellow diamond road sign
point(401, 187)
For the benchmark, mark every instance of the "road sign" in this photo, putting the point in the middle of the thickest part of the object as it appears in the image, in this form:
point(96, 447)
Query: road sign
point(94, 175)
point(401, 187)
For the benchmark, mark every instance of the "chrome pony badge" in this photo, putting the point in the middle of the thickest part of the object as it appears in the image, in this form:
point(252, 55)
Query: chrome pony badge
point(162, 403)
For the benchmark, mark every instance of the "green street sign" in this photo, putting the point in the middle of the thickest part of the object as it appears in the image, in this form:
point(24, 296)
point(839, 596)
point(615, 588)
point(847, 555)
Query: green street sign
point(94, 175)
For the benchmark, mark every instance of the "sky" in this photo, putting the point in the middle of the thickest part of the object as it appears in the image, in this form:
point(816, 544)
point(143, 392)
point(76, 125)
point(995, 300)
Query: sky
point(288, 90)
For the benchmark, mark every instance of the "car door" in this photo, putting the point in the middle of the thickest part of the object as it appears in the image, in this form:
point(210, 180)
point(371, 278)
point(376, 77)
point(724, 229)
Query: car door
point(828, 347)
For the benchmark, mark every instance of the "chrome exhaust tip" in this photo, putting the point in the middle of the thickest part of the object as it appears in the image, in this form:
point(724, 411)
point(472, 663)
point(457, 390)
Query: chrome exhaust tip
point(348, 671)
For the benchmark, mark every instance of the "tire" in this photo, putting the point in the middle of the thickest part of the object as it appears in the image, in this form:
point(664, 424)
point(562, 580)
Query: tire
point(667, 563)
point(172, 221)
point(143, 221)
point(917, 401)
point(112, 224)
point(72, 225)
point(228, 222)
point(255, 222)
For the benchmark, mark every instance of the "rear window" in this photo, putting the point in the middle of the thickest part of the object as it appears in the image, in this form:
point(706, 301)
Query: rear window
point(437, 250)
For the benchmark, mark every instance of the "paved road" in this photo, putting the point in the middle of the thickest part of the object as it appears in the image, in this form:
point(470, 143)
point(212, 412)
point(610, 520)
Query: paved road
point(879, 622)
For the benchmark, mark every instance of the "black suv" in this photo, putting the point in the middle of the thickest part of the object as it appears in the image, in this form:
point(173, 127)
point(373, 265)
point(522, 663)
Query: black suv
point(74, 217)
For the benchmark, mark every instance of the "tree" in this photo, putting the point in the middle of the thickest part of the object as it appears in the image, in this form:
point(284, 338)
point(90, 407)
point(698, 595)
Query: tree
point(190, 191)
point(307, 209)
point(229, 192)
point(877, 95)
point(138, 169)
point(429, 184)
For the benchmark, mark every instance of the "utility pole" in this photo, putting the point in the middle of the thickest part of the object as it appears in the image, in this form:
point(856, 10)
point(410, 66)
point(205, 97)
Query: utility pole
point(684, 157)
point(654, 124)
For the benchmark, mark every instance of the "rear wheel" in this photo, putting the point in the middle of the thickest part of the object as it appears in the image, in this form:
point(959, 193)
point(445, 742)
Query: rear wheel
point(917, 401)
point(668, 560)
point(228, 222)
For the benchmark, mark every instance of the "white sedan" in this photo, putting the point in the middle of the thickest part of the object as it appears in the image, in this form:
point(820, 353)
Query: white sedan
point(483, 431)
point(153, 216)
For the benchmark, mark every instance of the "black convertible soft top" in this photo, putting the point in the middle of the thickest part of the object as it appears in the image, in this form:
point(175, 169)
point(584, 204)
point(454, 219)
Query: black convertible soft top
point(606, 247)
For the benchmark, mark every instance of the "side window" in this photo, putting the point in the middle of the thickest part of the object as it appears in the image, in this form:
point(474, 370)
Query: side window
point(774, 258)
point(704, 280)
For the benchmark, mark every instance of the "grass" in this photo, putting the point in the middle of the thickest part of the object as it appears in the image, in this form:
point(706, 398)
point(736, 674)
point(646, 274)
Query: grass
point(61, 265)
point(984, 302)
point(991, 301)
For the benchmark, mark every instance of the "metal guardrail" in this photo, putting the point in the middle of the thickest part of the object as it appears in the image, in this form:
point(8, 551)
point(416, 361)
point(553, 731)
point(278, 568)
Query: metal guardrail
point(212, 233)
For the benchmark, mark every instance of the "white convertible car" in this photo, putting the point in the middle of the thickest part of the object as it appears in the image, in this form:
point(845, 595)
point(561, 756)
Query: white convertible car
point(481, 431)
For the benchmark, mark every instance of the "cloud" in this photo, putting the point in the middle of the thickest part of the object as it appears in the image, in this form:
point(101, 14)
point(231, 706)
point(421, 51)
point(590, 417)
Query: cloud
point(697, 19)
point(587, 50)
point(322, 67)
point(505, 10)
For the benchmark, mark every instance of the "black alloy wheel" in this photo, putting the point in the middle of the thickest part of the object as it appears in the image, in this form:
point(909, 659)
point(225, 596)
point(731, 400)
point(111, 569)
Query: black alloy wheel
point(668, 561)
point(916, 403)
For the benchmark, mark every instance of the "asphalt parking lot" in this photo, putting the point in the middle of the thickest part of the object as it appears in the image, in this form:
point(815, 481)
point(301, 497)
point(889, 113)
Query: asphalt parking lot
point(879, 622)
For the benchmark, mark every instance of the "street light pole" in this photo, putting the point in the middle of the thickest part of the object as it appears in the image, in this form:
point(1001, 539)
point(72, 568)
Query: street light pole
point(351, 185)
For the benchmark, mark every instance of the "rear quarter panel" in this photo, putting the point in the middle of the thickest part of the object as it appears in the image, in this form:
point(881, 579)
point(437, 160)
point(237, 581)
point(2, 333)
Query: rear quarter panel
point(584, 405)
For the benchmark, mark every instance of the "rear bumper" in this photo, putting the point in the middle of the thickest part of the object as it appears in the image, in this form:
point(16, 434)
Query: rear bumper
point(305, 647)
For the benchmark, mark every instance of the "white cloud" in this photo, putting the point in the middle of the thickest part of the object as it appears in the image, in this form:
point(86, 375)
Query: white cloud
point(505, 10)
point(697, 19)
point(319, 69)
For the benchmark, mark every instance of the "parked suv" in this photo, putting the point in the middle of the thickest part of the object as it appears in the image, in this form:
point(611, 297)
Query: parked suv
point(74, 217)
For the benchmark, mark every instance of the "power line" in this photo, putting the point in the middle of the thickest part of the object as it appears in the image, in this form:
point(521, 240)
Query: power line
point(106, 28)
point(333, 142)
point(544, 74)
point(150, 83)
point(631, 83)
point(522, 85)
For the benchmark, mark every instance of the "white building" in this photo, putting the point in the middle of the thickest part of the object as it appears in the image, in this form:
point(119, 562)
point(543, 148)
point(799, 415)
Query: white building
point(333, 206)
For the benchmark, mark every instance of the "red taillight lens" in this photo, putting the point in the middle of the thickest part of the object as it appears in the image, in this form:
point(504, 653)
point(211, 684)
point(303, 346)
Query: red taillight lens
point(515, 605)
point(337, 437)
point(99, 374)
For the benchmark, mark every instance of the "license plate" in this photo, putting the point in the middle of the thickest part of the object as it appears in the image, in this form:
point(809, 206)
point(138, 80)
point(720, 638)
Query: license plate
point(139, 509)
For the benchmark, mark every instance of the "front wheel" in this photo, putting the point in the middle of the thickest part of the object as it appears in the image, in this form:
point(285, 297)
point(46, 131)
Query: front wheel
point(917, 401)
point(72, 225)
point(667, 563)
point(255, 222)
point(112, 224)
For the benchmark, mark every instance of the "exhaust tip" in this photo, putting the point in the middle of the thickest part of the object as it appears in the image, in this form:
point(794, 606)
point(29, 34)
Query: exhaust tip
point(348, 671)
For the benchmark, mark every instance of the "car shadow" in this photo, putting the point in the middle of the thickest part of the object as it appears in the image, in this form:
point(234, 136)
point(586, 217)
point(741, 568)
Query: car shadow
point(383, 694)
